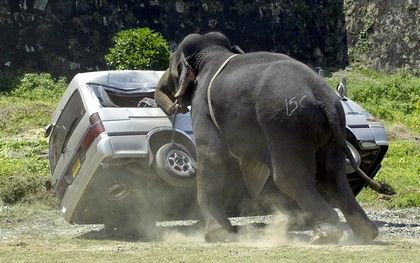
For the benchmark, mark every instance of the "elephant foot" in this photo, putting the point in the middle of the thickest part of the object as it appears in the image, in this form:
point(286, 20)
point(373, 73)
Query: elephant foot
point(220, 235)
point(325, 233)
point(367, 233)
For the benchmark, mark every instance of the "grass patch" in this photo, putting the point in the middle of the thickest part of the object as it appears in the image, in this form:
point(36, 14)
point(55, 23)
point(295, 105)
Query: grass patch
point(389, 97)
point(24, 174)
point(401, 169)
point(24, 110)
point(21, 116)
point(76, 250)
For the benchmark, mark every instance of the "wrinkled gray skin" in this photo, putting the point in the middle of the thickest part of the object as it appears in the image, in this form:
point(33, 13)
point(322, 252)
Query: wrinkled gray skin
point(270, 108)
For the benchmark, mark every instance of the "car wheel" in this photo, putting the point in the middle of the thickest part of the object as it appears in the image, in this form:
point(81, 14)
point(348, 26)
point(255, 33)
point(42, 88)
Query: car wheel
point(175, 165)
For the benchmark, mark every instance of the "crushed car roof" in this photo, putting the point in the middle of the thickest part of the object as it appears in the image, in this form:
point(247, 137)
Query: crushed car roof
point(124, 81)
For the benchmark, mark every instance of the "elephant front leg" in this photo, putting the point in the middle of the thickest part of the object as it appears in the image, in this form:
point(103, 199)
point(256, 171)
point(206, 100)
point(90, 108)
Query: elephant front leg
point(211, 170)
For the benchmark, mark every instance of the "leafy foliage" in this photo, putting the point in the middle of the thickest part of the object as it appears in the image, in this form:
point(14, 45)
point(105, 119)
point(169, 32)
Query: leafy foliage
point(140, 48)
point(39, 86)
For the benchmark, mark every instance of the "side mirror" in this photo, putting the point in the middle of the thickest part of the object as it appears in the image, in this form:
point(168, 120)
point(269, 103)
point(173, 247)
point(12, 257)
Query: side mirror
point(342, 89)
point(320, 72)
point(48, 129)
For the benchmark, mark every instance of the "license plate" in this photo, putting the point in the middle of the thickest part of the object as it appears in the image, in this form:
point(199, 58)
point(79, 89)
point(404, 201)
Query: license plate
point(76, 167)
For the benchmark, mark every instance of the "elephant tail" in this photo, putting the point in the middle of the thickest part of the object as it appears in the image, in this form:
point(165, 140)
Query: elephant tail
point(331, 111)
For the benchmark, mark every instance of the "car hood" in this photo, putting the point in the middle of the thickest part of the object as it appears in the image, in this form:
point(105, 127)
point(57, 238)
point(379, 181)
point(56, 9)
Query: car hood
point(356, 116)
point(362, 124)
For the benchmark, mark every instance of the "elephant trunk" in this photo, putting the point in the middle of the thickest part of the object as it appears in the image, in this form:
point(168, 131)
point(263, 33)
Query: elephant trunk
point(163, 95)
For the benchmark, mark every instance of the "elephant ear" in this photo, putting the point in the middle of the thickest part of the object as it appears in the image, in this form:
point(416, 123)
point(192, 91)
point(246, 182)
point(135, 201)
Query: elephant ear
point(236, 49)
point(186, 78)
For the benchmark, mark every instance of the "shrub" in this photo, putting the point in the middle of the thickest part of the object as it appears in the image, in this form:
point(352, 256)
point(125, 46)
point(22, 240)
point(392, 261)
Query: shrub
point(139, 48)
point(39, 86)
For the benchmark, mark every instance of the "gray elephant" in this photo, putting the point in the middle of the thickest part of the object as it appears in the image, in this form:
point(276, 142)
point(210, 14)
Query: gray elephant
point(276, 117)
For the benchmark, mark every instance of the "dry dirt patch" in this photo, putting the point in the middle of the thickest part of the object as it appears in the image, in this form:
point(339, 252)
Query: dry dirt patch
point(45, 237)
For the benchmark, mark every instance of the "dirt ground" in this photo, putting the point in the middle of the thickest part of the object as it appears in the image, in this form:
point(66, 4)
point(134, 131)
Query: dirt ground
point(46, 237)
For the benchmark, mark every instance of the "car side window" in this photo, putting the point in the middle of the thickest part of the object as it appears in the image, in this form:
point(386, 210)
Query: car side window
point(69, 118)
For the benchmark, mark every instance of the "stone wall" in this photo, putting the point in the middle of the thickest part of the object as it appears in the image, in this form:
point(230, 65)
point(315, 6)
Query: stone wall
point(65, 37)
point(384, 34)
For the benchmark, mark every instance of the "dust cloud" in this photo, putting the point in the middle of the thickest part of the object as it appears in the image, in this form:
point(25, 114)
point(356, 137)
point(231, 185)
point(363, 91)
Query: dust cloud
point(176, 237)
point(275, 233)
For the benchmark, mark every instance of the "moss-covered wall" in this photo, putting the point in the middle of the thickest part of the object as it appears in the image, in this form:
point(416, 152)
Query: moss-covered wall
point(384, 34)
point(65, 37)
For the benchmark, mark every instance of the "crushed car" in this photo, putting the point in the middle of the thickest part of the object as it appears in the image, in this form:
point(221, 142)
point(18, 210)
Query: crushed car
point(117, 159)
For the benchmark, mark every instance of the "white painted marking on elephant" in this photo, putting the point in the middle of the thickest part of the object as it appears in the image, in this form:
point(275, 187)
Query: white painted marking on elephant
point(291, 102)
point(295, 103)
point(300, 101)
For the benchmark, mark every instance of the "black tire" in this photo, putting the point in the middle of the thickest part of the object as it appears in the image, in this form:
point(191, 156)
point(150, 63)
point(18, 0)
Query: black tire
point(175, 165)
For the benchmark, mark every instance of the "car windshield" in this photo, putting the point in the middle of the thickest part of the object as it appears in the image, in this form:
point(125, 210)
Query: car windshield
point(115, 97)
point(64, 127)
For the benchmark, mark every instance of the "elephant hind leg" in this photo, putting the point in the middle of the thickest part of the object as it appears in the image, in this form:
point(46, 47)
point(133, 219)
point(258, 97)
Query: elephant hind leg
point(294, 173)
point(333, 179)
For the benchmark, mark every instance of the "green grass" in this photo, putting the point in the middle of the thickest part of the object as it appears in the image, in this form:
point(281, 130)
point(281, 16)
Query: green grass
point(19, 116)
point(400, 169)
point(24, 110)
point(24, 170)
point(394, 98)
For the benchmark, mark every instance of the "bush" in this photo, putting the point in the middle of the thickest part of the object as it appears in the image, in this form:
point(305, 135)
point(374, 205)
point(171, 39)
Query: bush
point(139, 48)
point(39, 86)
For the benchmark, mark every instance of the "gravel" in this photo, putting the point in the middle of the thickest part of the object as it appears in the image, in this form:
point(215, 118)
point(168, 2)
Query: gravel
point(393, 224)
point(402, 223)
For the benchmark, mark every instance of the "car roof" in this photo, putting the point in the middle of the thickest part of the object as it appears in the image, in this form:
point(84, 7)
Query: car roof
point(123, 81)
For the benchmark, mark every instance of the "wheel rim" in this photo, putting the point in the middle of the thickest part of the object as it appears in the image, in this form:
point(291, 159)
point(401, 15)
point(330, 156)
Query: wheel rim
point(179, 162)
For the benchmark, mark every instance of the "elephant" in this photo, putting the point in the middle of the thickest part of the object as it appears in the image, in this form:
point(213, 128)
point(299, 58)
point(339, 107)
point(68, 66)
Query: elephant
point(276, 117)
